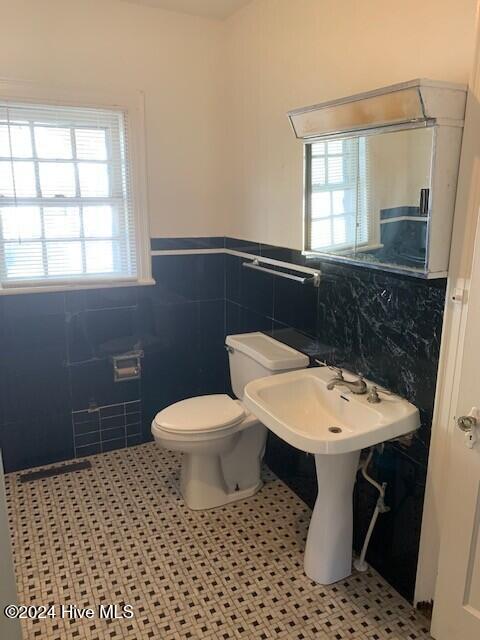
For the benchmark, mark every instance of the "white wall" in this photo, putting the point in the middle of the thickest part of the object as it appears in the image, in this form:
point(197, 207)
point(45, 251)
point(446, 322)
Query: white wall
point(174, 58)
point(283, 54)
point(221, 156)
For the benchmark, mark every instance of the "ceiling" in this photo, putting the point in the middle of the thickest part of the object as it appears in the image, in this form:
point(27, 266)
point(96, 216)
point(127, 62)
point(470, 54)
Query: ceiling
point(219, 9)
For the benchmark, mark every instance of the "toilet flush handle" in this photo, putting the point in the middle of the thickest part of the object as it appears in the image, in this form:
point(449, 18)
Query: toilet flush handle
point(229, 349)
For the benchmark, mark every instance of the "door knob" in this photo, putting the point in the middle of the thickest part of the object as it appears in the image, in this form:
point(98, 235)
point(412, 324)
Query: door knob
point(467, 423)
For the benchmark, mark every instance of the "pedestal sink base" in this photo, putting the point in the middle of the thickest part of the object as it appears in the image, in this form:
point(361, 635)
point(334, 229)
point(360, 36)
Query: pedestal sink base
point(335, 425)
point(328, 553)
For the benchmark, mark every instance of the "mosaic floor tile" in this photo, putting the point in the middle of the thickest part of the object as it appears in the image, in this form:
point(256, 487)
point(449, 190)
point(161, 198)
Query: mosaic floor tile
point(119, 533)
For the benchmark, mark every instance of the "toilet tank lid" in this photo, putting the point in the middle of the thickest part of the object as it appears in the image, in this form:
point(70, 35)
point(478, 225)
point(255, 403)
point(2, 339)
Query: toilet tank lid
point(272, 354)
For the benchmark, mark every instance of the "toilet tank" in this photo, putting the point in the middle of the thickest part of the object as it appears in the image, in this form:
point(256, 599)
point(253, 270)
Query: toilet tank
point(256, 355)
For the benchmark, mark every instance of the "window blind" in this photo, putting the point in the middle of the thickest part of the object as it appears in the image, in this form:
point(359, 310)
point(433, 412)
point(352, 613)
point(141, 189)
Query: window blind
point(66, 210)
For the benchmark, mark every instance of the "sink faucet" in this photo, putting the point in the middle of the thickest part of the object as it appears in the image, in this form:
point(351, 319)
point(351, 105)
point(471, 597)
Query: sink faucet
point(357, 386)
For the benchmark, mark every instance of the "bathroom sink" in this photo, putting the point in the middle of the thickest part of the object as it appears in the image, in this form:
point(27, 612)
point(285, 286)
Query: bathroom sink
point(335, 425)
point(298, 407)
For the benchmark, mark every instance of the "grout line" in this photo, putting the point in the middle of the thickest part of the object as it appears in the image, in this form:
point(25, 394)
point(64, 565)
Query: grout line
point(87, 433)
point(107, 406)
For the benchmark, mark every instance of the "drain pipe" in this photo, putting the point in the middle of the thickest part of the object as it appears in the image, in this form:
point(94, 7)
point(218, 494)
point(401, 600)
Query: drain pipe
point(380, 507)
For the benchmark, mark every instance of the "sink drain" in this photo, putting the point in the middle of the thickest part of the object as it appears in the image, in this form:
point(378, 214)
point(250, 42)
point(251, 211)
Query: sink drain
point(335, 430)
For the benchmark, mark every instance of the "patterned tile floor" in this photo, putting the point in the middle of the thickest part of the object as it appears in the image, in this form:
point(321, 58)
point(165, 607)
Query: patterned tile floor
point(120, 533)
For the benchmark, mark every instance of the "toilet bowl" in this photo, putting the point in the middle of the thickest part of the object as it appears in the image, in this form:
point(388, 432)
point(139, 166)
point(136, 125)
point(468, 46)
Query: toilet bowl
point(199, 428)
point(221, 442)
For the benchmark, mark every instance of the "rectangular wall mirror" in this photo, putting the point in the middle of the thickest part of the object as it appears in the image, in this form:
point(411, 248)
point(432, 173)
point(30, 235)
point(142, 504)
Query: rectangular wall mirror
point(367, 196)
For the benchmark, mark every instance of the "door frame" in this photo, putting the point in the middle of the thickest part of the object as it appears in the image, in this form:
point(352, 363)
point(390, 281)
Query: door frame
point(466, 227)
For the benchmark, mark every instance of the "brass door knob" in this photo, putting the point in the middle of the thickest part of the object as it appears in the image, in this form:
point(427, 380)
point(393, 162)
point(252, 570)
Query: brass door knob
point(467, 423)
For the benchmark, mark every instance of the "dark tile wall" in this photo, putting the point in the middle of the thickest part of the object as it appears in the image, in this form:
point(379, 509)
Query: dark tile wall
point(56, 353)
point(112, 427)
point(387, 327)
point(56, 350)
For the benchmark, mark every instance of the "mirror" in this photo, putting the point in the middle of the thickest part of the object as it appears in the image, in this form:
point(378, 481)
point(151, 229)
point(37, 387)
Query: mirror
point(367, 197)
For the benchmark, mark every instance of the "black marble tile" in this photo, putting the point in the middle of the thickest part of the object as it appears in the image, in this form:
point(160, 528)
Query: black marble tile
point(393, 548)
point(171, 244)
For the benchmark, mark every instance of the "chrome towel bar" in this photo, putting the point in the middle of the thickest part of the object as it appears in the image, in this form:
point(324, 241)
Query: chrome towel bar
point(314, 278)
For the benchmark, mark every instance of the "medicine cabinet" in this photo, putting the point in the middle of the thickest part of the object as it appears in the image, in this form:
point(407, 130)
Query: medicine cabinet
point(381, 172)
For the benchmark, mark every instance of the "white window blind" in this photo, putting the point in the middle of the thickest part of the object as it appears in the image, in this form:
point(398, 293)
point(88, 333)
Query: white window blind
point(66, 211)
point(336, 194)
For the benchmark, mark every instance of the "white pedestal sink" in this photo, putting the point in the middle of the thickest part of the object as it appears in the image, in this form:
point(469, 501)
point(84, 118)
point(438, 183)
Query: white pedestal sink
point(335, 425)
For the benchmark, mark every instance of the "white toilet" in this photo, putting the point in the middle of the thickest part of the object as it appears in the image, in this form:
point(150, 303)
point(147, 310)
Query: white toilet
point(222, 443)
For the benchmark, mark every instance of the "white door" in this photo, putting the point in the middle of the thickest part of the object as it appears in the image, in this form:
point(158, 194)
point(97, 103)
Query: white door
point(456, 614)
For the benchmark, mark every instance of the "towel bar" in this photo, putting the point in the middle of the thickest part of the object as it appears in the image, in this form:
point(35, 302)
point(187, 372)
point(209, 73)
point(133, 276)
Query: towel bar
point(314, 278)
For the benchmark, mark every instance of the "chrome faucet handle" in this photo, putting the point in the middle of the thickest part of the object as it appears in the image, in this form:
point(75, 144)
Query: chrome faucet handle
point(336, 370)
point(373, 394)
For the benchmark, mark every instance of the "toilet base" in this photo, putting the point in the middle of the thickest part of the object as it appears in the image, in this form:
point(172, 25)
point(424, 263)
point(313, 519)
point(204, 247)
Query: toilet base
point(202, 483)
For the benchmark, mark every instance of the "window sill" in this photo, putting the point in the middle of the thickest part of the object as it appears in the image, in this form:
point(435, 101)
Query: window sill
point(76, 287)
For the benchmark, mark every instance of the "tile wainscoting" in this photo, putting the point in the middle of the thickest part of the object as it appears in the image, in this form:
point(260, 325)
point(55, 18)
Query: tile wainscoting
point(386, 326)
point(57, 348)
point(56, 358)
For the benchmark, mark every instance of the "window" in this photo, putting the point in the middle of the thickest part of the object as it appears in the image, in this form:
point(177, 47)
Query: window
point(66, 197)
point(336, 195)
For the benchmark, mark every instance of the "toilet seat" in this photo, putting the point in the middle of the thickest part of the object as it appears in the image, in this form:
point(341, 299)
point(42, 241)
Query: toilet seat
point(203, 414)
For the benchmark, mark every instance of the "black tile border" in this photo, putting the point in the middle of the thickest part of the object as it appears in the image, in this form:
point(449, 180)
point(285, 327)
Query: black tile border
point(172, 244)
point(330, 267)
point(245, 246)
